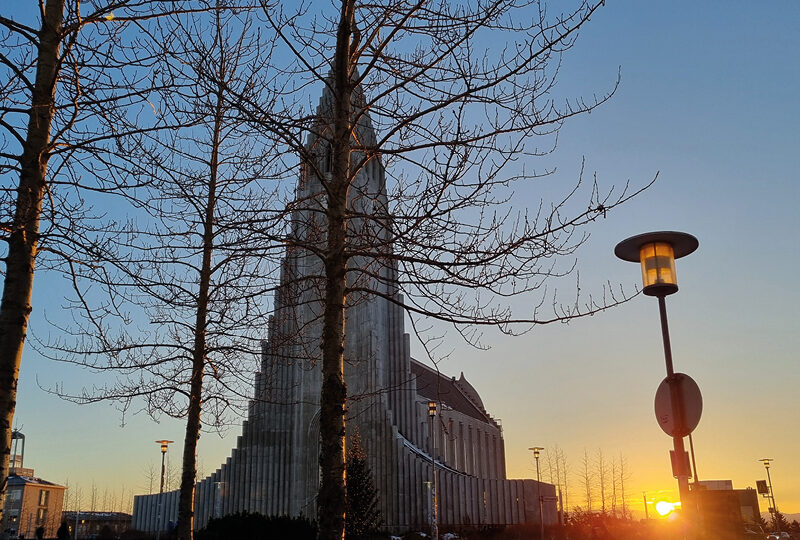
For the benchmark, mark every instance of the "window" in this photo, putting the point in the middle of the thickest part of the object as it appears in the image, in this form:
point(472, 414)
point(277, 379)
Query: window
point(41, 516)
point(44, 496)
point(327, 158)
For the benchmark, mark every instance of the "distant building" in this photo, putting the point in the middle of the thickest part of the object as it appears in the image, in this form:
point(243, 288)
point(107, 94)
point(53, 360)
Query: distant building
point(32, 502)
point(726, 510)
point(716, 485)
point(91, 524)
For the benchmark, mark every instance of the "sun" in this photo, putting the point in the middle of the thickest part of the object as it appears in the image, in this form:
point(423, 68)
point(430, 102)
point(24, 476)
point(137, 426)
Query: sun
point(664, 508)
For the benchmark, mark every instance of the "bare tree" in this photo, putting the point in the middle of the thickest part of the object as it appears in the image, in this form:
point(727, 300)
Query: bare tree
point(588, 479)
point(77, 499)
point(22, 232)
point(456, 120)
point(185, 276)
point(613, 470)
point(624, 475)
point(67, 494)
point(150, 476)
point(561, 479)
point(119, 504)
point(62, 83)
point(556, 462)
point(602, 475)
point(110, 505)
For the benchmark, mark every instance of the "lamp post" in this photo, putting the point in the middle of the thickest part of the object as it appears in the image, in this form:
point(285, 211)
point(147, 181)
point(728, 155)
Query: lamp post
point(164, 444)
point(774, 509)
point(432, 415)
point(536, 450)
point(657, 251)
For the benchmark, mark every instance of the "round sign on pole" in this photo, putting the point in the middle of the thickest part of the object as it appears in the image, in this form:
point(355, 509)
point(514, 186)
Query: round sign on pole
point(692, 405)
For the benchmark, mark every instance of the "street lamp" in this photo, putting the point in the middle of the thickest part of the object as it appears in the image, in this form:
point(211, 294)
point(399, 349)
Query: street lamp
point(536, 450)
point(657, 251)
point(164, 444)
point(432, 415)
point(774, 509)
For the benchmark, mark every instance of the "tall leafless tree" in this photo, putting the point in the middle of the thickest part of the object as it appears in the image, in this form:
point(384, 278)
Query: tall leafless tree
point(461, 96)
point(62, 82)
point(613, 470)
point(624, 475)
point(556, 462)
point(602, 475)
point(588, 480)
point(186, 274)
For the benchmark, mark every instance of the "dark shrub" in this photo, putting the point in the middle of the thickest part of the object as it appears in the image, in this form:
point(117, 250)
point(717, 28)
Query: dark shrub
point(247, 526)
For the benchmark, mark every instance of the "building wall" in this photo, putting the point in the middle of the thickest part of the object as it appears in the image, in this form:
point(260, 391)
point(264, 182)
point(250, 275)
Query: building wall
point(748, 502)
point(27, 509)
point(92, 523)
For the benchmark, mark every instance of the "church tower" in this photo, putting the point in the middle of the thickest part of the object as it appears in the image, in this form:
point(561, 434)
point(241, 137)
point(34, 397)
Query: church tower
point(274, 468)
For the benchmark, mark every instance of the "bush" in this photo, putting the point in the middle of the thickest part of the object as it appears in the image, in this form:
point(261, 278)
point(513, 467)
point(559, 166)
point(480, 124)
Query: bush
point(254, 526)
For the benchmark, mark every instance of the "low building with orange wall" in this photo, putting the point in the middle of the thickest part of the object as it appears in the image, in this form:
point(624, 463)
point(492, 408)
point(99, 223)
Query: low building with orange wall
point(32, 502)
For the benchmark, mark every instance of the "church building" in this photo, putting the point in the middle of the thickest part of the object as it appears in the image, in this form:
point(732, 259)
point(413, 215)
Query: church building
point(412, 420)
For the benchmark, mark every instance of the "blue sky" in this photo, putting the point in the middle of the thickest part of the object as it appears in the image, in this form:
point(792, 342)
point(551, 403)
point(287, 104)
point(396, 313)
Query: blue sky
point(708, 99)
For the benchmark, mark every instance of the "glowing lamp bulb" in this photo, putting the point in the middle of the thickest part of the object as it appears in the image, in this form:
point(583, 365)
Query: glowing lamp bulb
point(658, 268)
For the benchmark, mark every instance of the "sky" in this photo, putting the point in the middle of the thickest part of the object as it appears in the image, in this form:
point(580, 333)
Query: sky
point(708, 100)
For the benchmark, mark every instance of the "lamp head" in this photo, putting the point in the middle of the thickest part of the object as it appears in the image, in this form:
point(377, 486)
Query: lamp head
point(657, 251)
point(164, 444)
point(431, 408)
point(536, 450)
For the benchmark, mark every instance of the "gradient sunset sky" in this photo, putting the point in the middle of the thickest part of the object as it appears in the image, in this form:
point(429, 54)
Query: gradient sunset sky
point(709, 100)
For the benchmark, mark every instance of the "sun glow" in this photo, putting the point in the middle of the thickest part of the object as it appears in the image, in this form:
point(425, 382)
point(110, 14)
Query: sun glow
point(664, 508)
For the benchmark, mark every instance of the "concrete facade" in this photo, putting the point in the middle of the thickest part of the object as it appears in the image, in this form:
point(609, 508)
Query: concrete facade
point(274, 467)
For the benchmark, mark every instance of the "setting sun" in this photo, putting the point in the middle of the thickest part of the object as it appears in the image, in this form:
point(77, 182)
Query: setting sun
point(665, 508)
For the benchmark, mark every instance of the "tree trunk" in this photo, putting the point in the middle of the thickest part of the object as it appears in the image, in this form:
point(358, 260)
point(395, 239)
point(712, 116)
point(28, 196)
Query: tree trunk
point(331, 501)
point(24, 235)
point(193, 424)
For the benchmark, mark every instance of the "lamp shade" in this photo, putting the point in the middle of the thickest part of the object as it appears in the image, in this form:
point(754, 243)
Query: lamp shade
point(657, 251)
point(164, 444)
point(658, 268)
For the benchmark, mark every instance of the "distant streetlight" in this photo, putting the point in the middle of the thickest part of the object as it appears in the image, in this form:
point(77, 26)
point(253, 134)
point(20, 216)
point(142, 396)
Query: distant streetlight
point(536, 450)
point(432, 415)
point(774, 509)
point(657, 251)
point(164, 444)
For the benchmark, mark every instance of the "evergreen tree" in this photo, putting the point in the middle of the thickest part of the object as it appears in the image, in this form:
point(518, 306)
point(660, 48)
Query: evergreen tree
point(758, 519)
point(779, 522)
point(362, 515)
